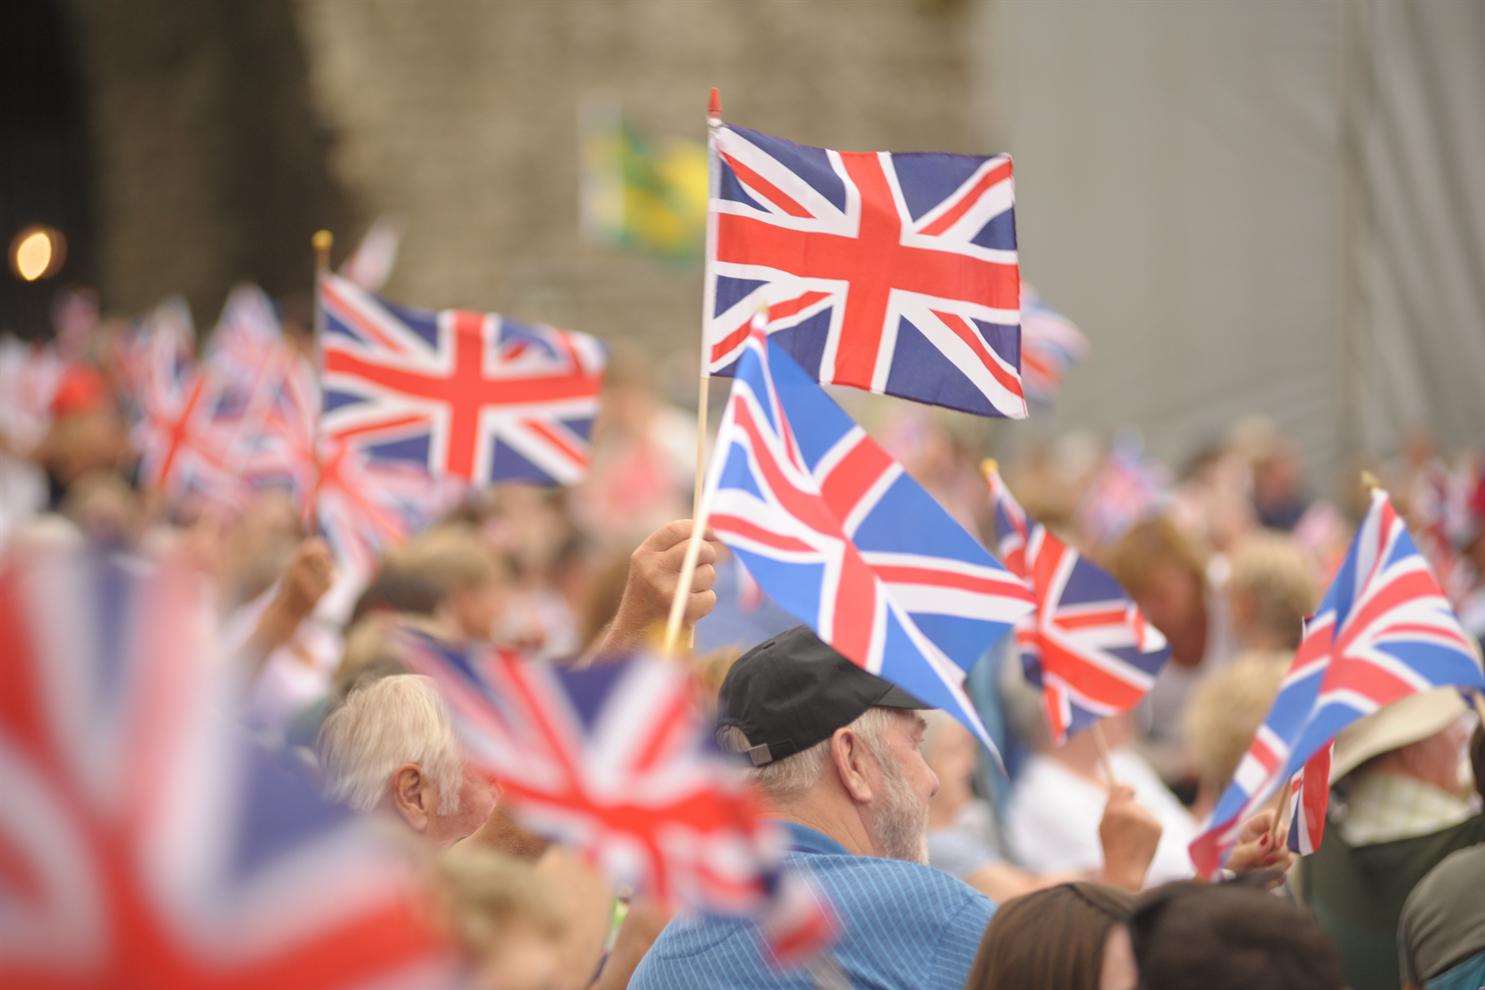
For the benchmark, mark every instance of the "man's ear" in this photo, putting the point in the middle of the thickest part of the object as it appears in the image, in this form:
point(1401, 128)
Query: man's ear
point(410, 797)
point(848, 755)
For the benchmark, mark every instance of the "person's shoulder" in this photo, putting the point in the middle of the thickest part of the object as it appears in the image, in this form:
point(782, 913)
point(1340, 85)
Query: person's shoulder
point(861, 881)
point(1460, 874)
point(694, 948)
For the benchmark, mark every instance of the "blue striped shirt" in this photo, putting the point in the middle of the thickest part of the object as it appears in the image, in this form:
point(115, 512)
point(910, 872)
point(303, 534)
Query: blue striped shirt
point(902, 925)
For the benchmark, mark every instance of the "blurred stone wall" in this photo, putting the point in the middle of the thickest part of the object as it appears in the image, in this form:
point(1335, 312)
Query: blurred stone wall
point(209, 156)
point(460, 119)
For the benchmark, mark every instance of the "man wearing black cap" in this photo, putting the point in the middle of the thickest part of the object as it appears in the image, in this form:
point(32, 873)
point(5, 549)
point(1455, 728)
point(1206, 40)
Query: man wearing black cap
point(836, 752)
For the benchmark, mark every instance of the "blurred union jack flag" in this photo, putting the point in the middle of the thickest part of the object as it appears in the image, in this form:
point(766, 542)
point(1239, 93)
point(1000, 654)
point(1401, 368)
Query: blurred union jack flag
point(144, 842)
point(467, 395)
point(362, 505)
point(1050, 345)
point(182, 409)
point(1086, 646)
point(616, 760)
point(834, 531)
point(1384, 630)
point(889, 272)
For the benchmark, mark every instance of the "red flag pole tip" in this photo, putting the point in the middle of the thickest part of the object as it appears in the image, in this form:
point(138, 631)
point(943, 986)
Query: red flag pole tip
point(714, 105)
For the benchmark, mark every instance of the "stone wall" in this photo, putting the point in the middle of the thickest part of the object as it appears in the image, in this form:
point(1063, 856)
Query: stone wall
point(460, 118)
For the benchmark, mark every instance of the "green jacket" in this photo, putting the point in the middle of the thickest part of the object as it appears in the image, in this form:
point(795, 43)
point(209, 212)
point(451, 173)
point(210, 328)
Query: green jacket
point(1357, 894)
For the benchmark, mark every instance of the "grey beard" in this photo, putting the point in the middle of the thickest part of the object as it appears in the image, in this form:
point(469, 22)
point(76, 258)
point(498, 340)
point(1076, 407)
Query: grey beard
point(901, 829)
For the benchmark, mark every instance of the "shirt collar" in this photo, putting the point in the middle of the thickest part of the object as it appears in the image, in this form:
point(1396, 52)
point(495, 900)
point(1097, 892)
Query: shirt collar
point(804, 839)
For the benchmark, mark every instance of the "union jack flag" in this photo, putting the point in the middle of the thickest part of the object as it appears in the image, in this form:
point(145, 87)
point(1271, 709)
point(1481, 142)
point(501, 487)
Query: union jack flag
point(834, 531)
point(1383, 631)
point(1126, 489)
point(145, 842)
point(1050, 345)
point(182, 444)
point(616, 759)
point(1087, 646)
point(362, 505)
point(1310, 796)
point(468, 395)
point(883, 271)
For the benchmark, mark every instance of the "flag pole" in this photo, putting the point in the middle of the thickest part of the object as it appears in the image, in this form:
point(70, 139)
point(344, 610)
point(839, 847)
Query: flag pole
point(1277, 828)
point(1104, 759)
point(703, 397)
point(683, 582)
point(322, 242)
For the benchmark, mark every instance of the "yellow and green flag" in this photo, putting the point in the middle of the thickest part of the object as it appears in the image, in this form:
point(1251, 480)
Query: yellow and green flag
point(639, 194)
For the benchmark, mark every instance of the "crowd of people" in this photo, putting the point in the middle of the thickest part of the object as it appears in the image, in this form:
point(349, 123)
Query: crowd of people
point(943, 868)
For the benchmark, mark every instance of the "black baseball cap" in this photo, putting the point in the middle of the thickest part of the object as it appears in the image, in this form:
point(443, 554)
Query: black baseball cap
point(793, 691)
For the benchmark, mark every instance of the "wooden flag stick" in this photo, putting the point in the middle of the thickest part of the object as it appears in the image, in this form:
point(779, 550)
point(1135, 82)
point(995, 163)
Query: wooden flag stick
point(1479, 699)
point(1104, 759)
point(322, 242)
point(703, 392)
point(1280, 809)
point(683, 582)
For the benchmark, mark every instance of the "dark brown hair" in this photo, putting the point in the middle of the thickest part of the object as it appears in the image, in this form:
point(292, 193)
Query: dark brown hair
point(1229, 936)
point(1050, 939)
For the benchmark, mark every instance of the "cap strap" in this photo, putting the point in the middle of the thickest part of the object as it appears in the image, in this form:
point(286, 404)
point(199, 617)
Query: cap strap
point(760, 755)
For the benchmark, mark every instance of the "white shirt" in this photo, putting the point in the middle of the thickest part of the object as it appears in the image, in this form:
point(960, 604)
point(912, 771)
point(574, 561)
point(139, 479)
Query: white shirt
point(1054, 814)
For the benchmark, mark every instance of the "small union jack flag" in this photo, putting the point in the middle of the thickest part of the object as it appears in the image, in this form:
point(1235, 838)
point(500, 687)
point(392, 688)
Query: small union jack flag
point(1086, 646)
point(182, 443)
point(1383, 631)
point(836, 532)
point(1310, 796)
point(145, 842)
point(468, 395)
point(616, 759)
point(1050, 345)
point(883, 271)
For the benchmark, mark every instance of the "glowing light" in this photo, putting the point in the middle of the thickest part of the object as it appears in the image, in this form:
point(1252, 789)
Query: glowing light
point(37, 252)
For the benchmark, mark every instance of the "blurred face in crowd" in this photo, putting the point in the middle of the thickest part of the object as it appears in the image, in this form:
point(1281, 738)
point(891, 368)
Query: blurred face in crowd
point(1171, 598)
point(477, 610)
point(1439, 759)
point(903, 786)
point(951, 753)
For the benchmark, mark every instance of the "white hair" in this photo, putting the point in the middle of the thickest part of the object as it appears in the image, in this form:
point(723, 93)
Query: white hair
point(785, 780)
point(381, 726)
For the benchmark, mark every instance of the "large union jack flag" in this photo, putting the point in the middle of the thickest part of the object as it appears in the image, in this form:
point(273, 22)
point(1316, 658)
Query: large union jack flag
point(884, 271)
point(1087, 646)
point(1383, 631)
point(144, 842)
point(616, 759)
point(468, 395)
point(836, 532)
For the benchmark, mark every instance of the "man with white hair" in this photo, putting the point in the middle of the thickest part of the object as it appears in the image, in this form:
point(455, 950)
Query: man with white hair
point(390, 745)
point(836, 752)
